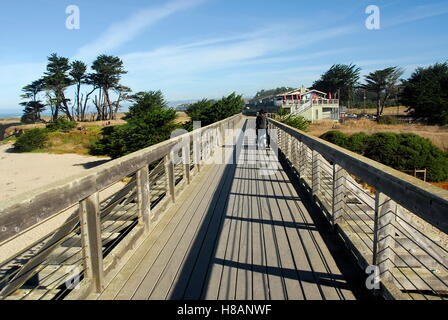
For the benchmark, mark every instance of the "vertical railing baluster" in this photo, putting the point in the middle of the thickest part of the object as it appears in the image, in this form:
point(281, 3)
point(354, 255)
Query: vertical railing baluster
point(384, 232)
point(143, 197)
point(186, 161)
point(197, 141)
point(170, 180)
point(299, 158)
point(338, 203)
point(303, 160)
point(316, 172)
point(89, 215)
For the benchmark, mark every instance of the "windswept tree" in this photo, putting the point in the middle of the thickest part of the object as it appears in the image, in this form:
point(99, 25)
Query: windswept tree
point(340, 80)
point(123, 94)
point(56, 80)
point(384, 83)
point(210, 111)
point(146, 101)
point(149, 121)
point(266, 93)
point(79, 75)
point(107, 75)
point(425, 93)
point(33, 107)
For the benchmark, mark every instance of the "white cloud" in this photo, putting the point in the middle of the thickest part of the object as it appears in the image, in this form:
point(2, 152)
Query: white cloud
point(240, 62)
point(214, 54)
point(122, 32)
point(419, 13)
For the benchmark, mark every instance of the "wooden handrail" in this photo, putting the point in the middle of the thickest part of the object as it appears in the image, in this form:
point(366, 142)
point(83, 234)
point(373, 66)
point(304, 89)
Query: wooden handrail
point(423, 199)
point(23, 212)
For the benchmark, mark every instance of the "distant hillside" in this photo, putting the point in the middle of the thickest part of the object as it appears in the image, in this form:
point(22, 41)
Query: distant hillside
point(266, 93)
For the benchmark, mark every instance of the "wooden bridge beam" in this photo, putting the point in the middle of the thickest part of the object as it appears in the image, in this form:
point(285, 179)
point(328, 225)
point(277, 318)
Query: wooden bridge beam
point(186, 161)
point(170, 179)
point(89, 214)
point(384, 232)
point(339, 185)
point(143, 196)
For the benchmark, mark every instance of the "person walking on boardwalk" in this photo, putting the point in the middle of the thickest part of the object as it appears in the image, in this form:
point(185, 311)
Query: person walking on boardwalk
point(262, 129)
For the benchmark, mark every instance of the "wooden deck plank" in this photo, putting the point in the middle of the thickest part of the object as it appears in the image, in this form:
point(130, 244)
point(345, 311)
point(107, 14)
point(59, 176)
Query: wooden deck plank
point(113, 289)
point(243, 289)
point(229, 273)
point(182, 236)
point(216, 266)
point(233, 234)
point(190, 282)
point(289, 271)
point(323, 265)
point(277, 290)
point(259, 260)
point(158, 243)
point(188, 245)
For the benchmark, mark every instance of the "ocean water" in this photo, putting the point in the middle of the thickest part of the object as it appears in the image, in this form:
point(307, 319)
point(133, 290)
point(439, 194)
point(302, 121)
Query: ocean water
point(10, 115)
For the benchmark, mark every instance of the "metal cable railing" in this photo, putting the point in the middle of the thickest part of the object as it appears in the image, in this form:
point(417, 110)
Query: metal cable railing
point(92, 235)
point(389, 220)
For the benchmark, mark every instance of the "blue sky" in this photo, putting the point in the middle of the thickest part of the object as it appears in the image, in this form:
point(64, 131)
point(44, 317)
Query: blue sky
point(193, 49)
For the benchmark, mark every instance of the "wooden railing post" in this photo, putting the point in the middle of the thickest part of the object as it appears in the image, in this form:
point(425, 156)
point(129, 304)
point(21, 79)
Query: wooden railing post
point(299, 157)
point(222, 135)
point(89, 215)
point(384, 232)
point(339, 184)
point(169, 171)
point(197, 142)
point(316, 172)
point(303, 159)
point(143, 194)
point(288, 147)
point(283, 142)
point(186, 161)
point(294, 152)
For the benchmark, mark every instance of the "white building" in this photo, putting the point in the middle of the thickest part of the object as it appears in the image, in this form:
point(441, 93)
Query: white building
point(311, 104)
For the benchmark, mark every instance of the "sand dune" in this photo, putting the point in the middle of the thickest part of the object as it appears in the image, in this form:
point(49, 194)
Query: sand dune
point(23, 172)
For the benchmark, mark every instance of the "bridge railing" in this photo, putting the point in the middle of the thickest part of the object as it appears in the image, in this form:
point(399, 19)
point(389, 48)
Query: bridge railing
point(395, 224)
point(70, 238)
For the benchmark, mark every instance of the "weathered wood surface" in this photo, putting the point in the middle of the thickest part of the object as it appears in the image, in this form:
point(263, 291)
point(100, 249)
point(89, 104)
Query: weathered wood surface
point(23, 212)
point(233, 234)
point(421, 198)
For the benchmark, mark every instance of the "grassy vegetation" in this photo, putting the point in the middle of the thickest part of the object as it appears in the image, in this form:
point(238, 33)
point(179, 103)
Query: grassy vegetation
point(9, 140)
point(75, 141)
point(438, 135)
point(388, 111)
point(402, 151)
point(443, 185)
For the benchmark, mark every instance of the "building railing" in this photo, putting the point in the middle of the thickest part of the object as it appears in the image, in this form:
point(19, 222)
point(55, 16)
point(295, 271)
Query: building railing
point(76, 233)
point(395, 224)
point(331, 102)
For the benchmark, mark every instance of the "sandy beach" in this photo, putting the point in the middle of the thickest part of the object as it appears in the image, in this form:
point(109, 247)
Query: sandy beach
point(23, 172)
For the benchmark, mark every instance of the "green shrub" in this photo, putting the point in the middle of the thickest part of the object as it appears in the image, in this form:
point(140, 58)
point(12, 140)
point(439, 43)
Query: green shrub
point(31, 140)
point(358, 142)
point(387, 120)
point(438, 170)
point(382, 147)
point(404, 151)
point(61, 123)
point(140, 132)
point(336, 137)
point(297, 122)
point(210, 111)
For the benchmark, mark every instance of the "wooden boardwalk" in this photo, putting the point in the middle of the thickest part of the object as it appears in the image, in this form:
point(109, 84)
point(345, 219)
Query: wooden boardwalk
point(234, 233)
